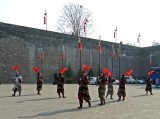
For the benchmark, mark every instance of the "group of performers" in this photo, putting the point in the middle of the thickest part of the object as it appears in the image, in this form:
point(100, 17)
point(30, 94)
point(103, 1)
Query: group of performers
point(83, 91)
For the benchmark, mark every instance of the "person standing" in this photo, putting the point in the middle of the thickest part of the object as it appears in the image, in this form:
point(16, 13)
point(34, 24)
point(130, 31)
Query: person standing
point(83, 91)
point(60, 85)
point(121, 89)
point(149, 86)
point(17, 84)
point(102, 88)
point(110, 87)
point(39, 82)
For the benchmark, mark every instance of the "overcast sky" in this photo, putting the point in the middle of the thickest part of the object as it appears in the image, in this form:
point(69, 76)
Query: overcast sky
point(130, 17)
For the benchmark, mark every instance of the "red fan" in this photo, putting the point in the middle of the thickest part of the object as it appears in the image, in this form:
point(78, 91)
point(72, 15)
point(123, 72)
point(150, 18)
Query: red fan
point(128, 73)
point(150, 73)
point(107, 72)
point(35, 69)
point(15, 68)
point(63, 70)
point(85, 67)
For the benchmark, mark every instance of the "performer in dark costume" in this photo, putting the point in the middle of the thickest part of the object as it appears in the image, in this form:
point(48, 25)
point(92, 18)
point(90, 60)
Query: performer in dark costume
point(110, 87)
point(149, 86)
point(121, 89)
point(102, 88)
point(83, 92)
point(17, 84)
point(39, 82)
point(60, 85)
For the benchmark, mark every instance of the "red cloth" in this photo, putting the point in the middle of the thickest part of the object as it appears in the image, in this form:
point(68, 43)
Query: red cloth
point(35, 69)
point(85, 67)
point(15, 68)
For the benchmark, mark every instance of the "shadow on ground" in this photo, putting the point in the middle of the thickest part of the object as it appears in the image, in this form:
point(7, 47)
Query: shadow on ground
point(37, 99)
point(52, 113)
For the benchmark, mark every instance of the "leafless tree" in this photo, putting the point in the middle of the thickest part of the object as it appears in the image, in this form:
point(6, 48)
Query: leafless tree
point(75, 19)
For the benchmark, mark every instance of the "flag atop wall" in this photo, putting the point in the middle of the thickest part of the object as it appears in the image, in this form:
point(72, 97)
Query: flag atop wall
point(45, 17)
point(79, 44)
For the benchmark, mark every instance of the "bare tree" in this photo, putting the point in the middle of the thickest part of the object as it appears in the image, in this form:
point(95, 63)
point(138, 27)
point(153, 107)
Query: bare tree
point(75, 19)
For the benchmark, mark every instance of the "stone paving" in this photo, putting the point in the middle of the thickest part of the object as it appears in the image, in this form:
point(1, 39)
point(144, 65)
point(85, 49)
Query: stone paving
point(48, 106)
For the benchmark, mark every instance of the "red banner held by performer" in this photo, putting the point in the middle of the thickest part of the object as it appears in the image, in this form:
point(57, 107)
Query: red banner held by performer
point(85, 67)
point(15, 68)
point(35, 69)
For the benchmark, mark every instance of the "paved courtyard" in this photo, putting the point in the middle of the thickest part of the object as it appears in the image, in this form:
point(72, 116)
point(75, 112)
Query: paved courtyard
point(48, 106)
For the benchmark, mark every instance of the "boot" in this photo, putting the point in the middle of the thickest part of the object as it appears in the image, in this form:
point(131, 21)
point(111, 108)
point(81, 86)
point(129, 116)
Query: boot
point(101, 102)
point(89, 104)
point(14, 93)
point(81, 104)
point(19, 93)
point(63, 95)
point(123, 98)
point(111, 97)
point(104, 101)
point(38, 92)
point(106, 95)
point(59, 95)
point(119, 98)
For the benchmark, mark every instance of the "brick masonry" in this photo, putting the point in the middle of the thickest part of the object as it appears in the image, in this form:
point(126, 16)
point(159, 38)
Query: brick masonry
point(23, 45)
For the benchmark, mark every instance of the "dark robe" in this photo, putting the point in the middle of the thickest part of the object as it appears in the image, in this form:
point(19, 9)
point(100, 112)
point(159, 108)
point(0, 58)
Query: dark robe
point(110, 86)
point(39, 82)
point(60, 84)
point(121, 89)
point(83, 92)
point(148, 85)
point(102, 87)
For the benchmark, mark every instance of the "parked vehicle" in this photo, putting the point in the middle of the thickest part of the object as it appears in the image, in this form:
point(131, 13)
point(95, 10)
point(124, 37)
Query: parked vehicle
point(116, 82)
point(93, 81)
point(130, 80)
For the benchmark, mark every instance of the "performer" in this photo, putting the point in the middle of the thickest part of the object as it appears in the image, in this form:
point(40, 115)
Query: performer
point(102, 88)
point(39, 82)
point(17, 84)
point(83, 92)
point(110, 87)
point(121, 89)
point(149, 86)
point(60, 85)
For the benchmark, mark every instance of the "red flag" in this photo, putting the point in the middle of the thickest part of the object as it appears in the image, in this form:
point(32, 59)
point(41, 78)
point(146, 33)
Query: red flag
point(79, 44)
point(115, 31)
point(44, 20)
point(119, 53)
point(150, 73)
point(84, 28)
point(99, 47)
point(150, 60)
point(15, 68)
point(42, 55)
point(63, 53)
point(45, 17)
point(107, 72)
point(113, 53)
point(35, 69)
point(63, 70)
point(128, 73)
point(85, 67)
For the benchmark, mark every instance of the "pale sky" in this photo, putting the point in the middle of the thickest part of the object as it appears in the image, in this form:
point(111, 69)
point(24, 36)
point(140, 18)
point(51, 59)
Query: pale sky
point(130, 17)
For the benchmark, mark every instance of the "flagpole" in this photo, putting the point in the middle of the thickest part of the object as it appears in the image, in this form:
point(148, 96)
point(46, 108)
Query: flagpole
point(115, 34)
point(112, 55)
point(45, 19)
point(99, 48)
point(119, 54)
point(42, 56)
point(63, 56)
